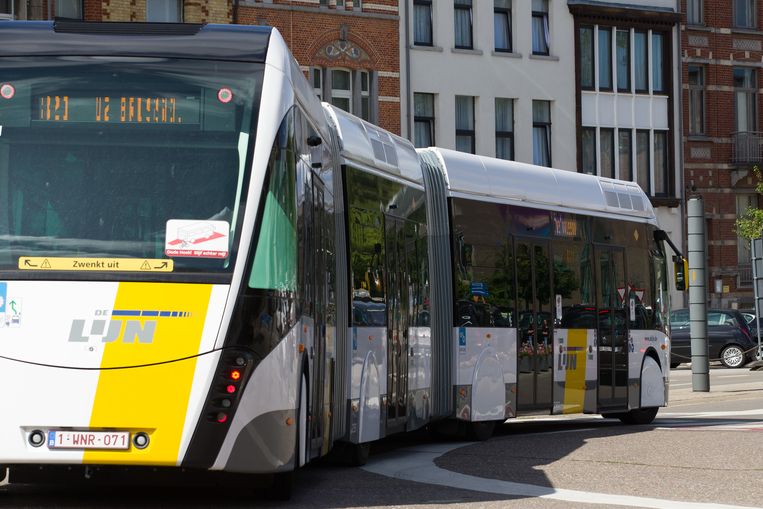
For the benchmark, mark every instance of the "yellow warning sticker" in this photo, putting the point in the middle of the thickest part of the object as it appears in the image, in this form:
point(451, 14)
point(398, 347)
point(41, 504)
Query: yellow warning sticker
point(96, 264)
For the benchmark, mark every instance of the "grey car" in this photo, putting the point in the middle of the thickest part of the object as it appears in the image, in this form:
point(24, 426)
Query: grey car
point(730, 340)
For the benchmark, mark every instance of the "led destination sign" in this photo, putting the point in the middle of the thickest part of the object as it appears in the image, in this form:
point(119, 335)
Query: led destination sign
point(117, 109)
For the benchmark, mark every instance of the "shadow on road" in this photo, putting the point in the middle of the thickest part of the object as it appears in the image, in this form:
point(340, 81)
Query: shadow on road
point(519, 452)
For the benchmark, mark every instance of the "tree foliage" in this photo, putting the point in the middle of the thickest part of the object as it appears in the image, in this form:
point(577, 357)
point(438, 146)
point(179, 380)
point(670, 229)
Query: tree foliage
point(750, 224)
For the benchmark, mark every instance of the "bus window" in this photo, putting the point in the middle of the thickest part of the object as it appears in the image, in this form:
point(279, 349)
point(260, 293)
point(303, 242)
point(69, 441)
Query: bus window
point(573, 282)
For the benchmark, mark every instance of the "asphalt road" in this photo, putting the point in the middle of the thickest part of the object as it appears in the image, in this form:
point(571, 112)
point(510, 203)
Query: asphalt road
point(704, 451)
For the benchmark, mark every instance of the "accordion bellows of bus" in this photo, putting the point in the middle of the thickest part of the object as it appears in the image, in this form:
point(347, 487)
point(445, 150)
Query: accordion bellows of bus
point(202, 266)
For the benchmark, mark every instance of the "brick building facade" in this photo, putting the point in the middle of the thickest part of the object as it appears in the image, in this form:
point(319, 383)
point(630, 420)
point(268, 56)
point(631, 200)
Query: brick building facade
point(721, 58)
point(349, 49)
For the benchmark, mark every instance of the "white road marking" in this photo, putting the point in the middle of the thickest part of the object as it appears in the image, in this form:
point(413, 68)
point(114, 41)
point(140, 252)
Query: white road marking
point(733, 413)
point(417, 464)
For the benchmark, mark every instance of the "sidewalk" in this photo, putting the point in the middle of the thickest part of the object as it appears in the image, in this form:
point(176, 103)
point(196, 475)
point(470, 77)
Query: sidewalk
point(743, 387)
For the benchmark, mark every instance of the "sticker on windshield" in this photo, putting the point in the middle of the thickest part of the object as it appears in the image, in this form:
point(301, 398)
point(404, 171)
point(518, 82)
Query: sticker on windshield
point(197, 239)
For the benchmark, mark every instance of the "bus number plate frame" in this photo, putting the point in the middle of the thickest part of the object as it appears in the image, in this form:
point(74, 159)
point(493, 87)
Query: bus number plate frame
point(82, 440)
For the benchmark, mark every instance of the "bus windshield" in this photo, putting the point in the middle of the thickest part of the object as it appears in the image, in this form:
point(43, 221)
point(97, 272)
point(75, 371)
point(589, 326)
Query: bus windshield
point(141, 158)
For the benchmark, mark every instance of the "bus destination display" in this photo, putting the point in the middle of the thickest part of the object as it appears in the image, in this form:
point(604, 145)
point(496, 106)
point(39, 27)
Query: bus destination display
point(117, 109)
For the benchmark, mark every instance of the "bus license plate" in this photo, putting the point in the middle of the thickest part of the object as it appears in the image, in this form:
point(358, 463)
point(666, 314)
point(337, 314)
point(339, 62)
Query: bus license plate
point(89, 440)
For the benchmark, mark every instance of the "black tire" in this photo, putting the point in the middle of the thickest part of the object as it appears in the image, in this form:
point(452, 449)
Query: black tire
point(732, 356)
point(639, 416)
point(479, 431)
point(281, 486)
point(351, 455)
point(674, 365)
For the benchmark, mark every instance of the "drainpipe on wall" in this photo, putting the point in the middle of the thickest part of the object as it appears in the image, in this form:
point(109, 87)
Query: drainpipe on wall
point(679, 141)
point(235, 12)
point(408, 93)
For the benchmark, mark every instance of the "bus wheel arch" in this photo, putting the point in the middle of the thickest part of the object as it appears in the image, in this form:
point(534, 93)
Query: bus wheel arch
point(652, 381)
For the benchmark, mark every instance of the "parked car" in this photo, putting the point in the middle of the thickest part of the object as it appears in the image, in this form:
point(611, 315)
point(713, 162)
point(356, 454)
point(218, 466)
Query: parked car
point(749, 316)
point(729, 337)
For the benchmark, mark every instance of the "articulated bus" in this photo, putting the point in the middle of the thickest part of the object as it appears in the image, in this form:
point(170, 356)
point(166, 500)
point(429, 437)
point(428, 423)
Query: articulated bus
point(203, 267)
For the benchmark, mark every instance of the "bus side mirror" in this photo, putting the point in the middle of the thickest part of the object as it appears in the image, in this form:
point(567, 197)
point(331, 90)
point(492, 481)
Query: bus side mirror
point(681, 273)
point(316, 151)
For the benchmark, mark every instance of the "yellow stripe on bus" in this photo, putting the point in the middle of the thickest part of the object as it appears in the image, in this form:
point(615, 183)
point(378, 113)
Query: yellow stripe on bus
point(150, 399)
point(574, 387)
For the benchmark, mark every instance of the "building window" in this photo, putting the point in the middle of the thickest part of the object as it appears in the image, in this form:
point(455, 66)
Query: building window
point(696, 99)
point(502, 25)
point(70, 9)
point(465, 123)
point(640, 62)
point(605, 59)
point(463, 23)
point(660, 163)
point(586, 58)
point(542, 133)
point(744, 99)
point(317, 79)
point(504, 128)
point(422, 22)
point(164, 11)
point(341, 89)
point(607, 152)
point(625, 154)
point(744, 13)
point(694, 12)
point(642, 159)
point(658, 70)
point(623, 60)
point(540, 27)
point(365, 95)
point(423, 120)
point(588, 150)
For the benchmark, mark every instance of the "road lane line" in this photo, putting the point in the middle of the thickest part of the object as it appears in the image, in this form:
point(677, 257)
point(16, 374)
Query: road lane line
point(417, 464)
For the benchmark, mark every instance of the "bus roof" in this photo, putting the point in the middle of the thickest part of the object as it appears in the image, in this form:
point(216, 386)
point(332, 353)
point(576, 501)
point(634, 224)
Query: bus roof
point(75, 38)
point(468, 174)
point(370, 145)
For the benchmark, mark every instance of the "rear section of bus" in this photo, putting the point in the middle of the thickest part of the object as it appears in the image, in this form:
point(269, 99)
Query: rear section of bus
point(125, 160)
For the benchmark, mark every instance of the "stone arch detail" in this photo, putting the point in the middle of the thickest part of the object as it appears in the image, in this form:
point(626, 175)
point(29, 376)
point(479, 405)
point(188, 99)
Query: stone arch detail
point(342, 49)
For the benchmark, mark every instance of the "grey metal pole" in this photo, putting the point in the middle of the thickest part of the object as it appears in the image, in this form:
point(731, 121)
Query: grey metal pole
point(757, 278)
point(700, 362)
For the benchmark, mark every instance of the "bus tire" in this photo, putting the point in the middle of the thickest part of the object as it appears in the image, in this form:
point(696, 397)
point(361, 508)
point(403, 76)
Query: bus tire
point(480, 431)
point(639, 416)
point(281, 486)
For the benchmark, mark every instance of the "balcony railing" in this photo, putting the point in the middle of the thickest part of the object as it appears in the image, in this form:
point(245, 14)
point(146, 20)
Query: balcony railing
point(744, 276)
point(747, 146)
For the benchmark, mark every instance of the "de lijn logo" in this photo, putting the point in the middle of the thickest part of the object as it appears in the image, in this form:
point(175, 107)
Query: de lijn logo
point(129, 325)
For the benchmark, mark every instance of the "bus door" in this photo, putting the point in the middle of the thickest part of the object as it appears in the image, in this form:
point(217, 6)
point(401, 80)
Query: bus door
point(534, 326)
point(320, 301)
point(612, 334)
point(398, 250)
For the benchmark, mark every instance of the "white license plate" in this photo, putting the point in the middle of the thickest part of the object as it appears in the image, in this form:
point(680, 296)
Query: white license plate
point(89, 440)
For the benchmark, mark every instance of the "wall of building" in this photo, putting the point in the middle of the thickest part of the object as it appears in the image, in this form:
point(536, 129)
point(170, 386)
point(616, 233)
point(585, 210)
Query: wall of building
point(446, 72)
point(711, 167)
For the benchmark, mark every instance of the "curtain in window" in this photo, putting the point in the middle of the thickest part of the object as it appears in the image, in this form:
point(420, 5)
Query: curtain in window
point(660, 162)
point(423, 110)
point(422, 24)
point(541, 152)
point(605, 58)
point(657, 52)
point(464, 123)
point(422, 133)
point(642, 160)
point(71, 9)
point(463, 23)
point(589, 150)
point(639, 64)
point(606, 152)
point(586, 57)
point(504, 126)
point(744, 99)
point(540, 34)
point(624, 151)
point(623, 60)
point(743, 10)
point(694, 12)
point(501, 29)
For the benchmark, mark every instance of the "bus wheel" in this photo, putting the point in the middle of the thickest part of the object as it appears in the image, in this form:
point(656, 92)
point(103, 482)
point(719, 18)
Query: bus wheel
point(639, 416)
point(479, 431)
point(281, 486)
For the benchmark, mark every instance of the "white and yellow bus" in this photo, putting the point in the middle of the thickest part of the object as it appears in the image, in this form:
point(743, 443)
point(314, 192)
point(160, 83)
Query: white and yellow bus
point(203, 267)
